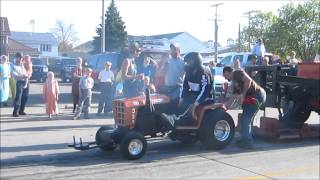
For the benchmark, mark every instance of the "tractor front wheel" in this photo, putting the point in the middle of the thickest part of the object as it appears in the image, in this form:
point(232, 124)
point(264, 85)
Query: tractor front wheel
point(103, 139)
point(133, 145)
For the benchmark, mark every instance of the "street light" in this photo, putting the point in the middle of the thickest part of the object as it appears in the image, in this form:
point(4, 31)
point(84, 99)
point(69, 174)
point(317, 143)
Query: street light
point(216, 31)
point(103, 30)
point(249, 30)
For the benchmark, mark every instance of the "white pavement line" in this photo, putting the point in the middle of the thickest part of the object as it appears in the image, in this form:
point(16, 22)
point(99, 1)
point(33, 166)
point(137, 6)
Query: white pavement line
point(247, 170)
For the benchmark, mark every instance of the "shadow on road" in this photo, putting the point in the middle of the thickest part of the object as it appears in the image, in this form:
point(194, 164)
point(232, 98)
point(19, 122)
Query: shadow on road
point(157, 150)
point(52, 128)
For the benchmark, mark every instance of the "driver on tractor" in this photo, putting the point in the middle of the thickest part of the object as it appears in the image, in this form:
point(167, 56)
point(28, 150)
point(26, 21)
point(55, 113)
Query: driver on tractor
point(197, 88)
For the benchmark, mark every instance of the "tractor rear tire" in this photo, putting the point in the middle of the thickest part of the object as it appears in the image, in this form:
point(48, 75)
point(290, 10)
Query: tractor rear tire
point(217, 129)
point(100, 139)
point(133, 145)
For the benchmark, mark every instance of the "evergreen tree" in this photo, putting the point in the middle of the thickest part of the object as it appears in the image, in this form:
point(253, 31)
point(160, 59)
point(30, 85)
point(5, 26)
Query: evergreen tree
point(115, 34)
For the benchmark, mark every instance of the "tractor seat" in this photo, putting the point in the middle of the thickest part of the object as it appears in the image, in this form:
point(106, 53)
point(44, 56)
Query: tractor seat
point(200, 112)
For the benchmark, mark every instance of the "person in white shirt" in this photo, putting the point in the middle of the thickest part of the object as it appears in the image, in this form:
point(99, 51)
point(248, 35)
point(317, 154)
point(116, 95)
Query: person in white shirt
point(292, 58)
point(85, 86)
point(106, 78)
point(259, 50)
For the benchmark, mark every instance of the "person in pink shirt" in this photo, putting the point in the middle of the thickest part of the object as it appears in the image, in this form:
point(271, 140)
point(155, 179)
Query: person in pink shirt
point(51, 94)
point(28, 67)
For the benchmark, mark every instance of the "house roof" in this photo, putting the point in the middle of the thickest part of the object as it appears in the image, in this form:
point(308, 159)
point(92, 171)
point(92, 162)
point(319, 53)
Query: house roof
point(152, 37)
point(33, 37)
point(5, 29)
point(14, 46)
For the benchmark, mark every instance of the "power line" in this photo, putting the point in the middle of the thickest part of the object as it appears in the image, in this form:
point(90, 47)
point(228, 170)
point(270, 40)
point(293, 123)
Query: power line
point(249, 28)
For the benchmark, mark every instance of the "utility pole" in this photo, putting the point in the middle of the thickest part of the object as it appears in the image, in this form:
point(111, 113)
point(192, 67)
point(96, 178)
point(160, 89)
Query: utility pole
point(249, 27)
point(32, 22)
point(239, 45)
point(216, 32)
point(103, 29)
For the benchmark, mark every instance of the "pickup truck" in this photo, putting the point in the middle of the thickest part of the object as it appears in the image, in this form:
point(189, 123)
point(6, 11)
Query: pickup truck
point(231, 57)
point(227, 60)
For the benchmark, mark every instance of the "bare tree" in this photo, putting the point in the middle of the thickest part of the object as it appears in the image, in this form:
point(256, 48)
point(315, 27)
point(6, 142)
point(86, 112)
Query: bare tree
point(66, 34)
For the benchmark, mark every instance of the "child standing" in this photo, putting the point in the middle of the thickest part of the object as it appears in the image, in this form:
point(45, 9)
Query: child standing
point(85, 85)
point(51, 94)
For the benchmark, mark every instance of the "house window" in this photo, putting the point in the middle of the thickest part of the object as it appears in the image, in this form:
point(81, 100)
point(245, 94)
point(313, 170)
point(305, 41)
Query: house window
point(45, 47)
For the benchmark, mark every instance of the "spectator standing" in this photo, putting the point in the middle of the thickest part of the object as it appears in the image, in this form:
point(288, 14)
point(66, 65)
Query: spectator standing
point(292, 58)
point(236, 63)
point(12, 83)
point(131, 80)
point(4, 80)
point(106, 78)
point(28, 66)
point(51, 95)
point(259, 50)
point(149, 68)
point(146, 84)
point(85, 85)
point(252, 59)
point(174, 75)
point(20, 75)
point(212, 66)
point(161, 71)
point(77, 73)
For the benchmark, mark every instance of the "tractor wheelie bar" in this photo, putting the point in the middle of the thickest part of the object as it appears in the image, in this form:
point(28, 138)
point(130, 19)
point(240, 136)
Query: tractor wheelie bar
point(139, 119)
point(294, 97)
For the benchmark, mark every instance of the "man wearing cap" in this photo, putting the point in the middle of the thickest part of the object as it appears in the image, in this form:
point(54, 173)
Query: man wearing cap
point(20, 75)
point(259, 50)
point(174, 75)
point(106, 78)
point(131, 80)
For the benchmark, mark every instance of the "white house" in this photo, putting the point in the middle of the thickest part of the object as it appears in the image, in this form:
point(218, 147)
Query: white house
point(187, 42)
point(46, 43)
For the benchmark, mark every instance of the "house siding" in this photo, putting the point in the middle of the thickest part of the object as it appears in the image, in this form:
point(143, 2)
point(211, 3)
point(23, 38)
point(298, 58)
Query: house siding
point(35, 40)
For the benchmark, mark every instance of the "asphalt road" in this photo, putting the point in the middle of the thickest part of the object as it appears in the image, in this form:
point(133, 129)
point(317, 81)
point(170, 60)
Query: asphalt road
point(33, 147)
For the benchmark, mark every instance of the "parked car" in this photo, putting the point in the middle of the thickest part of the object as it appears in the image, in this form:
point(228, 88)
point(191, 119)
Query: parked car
point(68, 64)
point(39, 70)
point(230, 58)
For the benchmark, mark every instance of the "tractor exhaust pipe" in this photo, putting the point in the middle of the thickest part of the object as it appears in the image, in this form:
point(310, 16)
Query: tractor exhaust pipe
point(149, 106)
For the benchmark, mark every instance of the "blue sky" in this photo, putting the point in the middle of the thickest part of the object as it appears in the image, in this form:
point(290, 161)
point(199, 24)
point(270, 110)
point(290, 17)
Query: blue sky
point(141, 17)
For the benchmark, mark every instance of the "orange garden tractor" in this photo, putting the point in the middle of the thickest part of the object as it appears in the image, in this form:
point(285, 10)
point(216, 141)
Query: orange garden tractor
point(139, 119)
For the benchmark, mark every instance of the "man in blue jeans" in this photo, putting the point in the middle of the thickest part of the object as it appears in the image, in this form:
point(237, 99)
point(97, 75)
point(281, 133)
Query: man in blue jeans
point(22, 93)
point(174, 76)
point(106, 78)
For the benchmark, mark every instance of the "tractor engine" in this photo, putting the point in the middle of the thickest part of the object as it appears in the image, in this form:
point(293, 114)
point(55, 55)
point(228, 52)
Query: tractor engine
point(125, 110)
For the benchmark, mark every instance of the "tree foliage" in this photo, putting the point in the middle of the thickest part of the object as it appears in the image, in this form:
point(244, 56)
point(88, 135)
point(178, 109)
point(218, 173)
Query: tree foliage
point(66, 35)
point(115, 33)
point(296, 28)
